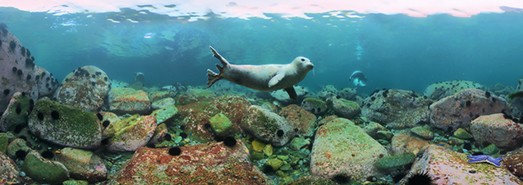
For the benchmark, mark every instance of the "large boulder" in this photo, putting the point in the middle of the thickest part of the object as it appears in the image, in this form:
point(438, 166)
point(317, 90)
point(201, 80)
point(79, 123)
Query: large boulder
point(65, 125)
point(341, 148)
point(396, 108)
point(453, 112)
point(445, 166)
point(267, 126)
point(498, 130)
point(440, 90)
point(86, 87)
point(18, 70)
point(199, 164)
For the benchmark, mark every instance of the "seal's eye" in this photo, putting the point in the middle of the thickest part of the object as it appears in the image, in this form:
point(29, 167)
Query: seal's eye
point(302, 59)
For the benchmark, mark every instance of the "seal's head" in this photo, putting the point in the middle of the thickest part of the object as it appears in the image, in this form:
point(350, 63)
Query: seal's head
point(303, 64)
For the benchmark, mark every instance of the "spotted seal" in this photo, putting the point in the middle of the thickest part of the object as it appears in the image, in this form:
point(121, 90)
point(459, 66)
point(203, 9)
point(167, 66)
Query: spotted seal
point(267, 77)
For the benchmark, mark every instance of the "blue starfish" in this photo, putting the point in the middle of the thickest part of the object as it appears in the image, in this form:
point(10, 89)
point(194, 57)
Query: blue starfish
point(485, 158)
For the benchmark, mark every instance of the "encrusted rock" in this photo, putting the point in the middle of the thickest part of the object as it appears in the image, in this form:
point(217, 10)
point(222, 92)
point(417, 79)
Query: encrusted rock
point(43, 170)
point(164, 102)
point(83, 164)
point(17, 112)
point(267, 126)
point(347, 93)
point(5, 139)
point(200, 164)
point(128, 100)
point(109, 118)
point(495, 129)
point(17, 149)
point(458, 110)
point(335, 152)
point(8, 170)
point(17, 68)
point(513, 161)
point(396, 108)
point(65, 125)
point(423, 132)
point(86, 87)
point(344, 108)
point(299, 118)
point(405, 143)
point(195, 116)
point(132, 133)
point(314, 105)
point(165, 113)
point(393, 162)
point(445, 166)
point(46, 82)
point(283, 96)
point(440, 90)
point(327, 92)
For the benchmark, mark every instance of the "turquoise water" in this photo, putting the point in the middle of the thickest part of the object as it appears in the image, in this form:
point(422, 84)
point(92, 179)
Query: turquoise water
point(394, 51)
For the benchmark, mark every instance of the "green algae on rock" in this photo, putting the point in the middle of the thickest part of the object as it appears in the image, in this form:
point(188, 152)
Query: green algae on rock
point(43, 170)
point(165, 113)
point(344, 108)
point(220, 124)
point(314, 105)
point(394, 161)
point(65, 125)
point(462, 134)
point(5, 139)
point(132, 133)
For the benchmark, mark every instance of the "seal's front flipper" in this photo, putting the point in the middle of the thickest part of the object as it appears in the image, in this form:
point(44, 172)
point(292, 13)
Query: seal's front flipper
point(291, 92)
point(277, 78)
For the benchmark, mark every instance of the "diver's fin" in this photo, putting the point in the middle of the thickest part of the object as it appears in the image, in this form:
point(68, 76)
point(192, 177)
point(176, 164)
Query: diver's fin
point(292, 93)
point(217, 55)
point(275, 79)
point(212, 77)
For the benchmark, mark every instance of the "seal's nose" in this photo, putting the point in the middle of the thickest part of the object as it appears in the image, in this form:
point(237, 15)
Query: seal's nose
point(310, 66)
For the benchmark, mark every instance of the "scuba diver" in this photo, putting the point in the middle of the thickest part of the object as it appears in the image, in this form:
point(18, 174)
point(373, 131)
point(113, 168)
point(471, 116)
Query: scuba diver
point(358, 79)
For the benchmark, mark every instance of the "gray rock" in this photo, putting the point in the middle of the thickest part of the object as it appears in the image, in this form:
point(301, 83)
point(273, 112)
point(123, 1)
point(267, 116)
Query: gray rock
point(267, 126)
point(86, 87)
point(440, 90)
point(17, 112)
point(347, 93)
point(458, 110)
point(396, 108)
point(497, 130)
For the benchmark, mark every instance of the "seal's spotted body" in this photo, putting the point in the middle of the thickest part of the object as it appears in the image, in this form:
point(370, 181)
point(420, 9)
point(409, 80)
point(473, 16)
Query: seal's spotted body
point(268, 77)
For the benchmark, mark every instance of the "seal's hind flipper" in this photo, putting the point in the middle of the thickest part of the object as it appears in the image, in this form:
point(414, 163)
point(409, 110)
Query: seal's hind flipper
point(217, 55)
point(212, 77)
point(291, 92)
